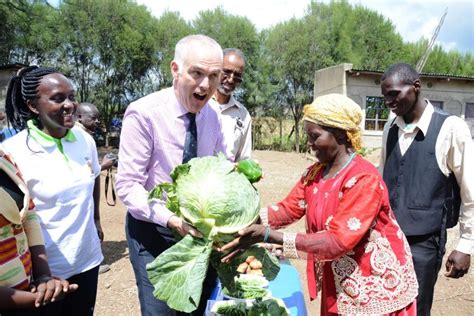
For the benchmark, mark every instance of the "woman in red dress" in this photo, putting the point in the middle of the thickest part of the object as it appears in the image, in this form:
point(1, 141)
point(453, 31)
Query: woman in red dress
point(355, 250)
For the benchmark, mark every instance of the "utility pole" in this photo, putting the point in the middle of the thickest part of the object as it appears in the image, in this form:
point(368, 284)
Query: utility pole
point(421, 63)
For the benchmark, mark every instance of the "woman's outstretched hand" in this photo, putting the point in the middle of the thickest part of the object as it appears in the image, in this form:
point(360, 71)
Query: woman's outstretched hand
point(51, 289)
point(247, 237)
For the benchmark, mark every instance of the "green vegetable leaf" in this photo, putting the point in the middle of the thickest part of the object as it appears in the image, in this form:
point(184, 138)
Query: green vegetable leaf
point(209, 194)
point(179, 171)
point(227, 272)
point(212, 189)
point(168, 189)
point(265, 307)
point(173, 204)
point(243, 291)
point(230, 309)
point(271, 306)
point(160, 189)
point(178, 273)
point(206, 227)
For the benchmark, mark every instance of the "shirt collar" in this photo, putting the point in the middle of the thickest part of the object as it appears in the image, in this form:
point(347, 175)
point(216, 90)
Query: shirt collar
point(80, 125)
point(422, 124)
point(232, 102)
point(179, 110)
point(46, 140)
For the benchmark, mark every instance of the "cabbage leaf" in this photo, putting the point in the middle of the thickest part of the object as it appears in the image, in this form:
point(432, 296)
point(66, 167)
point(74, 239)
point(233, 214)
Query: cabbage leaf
point(211, 195)
point(178, 273)
point(228, 272)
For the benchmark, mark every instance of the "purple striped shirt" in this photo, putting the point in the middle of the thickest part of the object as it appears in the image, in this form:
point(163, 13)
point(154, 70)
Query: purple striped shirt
point(152, 144)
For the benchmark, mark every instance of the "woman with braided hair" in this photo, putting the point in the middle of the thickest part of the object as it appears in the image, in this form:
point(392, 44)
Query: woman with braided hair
point(60, 166)
point(355, 250)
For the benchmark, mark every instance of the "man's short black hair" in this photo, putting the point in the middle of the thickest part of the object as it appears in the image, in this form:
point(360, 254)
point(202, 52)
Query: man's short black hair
point(405, 72)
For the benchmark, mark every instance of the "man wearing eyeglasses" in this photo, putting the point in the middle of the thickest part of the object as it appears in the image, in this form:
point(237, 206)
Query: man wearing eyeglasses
point(236, 120)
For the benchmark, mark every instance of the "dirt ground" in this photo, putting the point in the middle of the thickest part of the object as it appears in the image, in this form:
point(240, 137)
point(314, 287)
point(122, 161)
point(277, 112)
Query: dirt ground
point(117, 294)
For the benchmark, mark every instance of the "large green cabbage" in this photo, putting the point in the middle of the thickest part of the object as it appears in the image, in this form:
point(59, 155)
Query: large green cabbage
point(211, 191)
point(209, 194)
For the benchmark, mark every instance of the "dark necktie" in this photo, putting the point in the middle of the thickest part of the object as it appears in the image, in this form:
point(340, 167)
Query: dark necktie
point(190, 144)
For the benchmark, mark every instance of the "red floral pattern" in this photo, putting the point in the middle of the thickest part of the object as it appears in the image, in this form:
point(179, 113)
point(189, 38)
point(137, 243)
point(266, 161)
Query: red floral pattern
point(353, 243)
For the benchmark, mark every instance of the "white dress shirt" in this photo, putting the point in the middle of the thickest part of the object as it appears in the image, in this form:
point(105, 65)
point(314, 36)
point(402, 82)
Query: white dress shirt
point(237, 127)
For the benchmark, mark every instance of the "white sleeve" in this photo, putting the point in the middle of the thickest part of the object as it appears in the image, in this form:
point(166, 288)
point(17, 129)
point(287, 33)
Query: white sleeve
point(246, 143)
point(93, 152)
point(384, 146)
point(460, 150)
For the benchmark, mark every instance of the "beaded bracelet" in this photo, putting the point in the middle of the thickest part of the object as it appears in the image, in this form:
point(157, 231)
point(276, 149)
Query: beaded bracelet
point(289, 245)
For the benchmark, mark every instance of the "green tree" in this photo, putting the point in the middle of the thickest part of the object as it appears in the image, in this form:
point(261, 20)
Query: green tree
point(439, 61)
point(228, 30)
point(171, 27)
point(374, 40)
point(327, 35)
point(115, 51)
point(466, 64)
point(26, 35)
point(110, 50)
point(234, 31)
point(294, 56)
point(355, 34)
point(262, 85)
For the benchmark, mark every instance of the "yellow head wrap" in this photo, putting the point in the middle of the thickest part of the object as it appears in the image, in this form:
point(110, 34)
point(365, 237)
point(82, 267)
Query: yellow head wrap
point(336, 110)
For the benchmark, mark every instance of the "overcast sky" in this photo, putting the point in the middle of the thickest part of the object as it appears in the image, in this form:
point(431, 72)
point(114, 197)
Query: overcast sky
point(413, 19)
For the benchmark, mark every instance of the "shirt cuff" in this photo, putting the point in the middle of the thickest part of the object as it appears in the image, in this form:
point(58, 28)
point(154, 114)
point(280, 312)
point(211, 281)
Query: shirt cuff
point(264, 216)
point(160, 214)
point(465, 246)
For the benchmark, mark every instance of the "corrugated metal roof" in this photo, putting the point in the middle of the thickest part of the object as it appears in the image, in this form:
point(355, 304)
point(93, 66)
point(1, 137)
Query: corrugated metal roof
point(423, 74)
point(12, 66)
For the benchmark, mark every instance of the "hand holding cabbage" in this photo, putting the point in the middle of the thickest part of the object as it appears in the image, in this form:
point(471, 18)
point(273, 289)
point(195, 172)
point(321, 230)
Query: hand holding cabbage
point(182, 228)
point(210, 195)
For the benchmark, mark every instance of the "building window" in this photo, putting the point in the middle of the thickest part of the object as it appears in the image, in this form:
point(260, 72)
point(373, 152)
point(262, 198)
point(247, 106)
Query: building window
point(376, 114)
point(437, 104)
point(469, 110)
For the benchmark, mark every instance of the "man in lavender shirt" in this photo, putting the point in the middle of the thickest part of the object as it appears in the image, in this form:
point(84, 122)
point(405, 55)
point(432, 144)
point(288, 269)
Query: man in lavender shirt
point(152, 143)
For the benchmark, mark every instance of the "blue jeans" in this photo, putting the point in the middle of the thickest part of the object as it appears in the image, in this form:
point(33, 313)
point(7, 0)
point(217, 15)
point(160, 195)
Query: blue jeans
point(145, 242)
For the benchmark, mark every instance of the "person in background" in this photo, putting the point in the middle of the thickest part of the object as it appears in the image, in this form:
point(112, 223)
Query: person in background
point(114, 132)
point(354, 247)
point(427, 165)
point(236, 120)
point(116, 123)
point(161, 131)
point(26, 285)
point(87, 118)
point(5, 131)
point(60, 166)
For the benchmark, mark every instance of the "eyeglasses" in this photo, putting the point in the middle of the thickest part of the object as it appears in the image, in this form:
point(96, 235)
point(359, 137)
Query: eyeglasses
point(227, 73)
